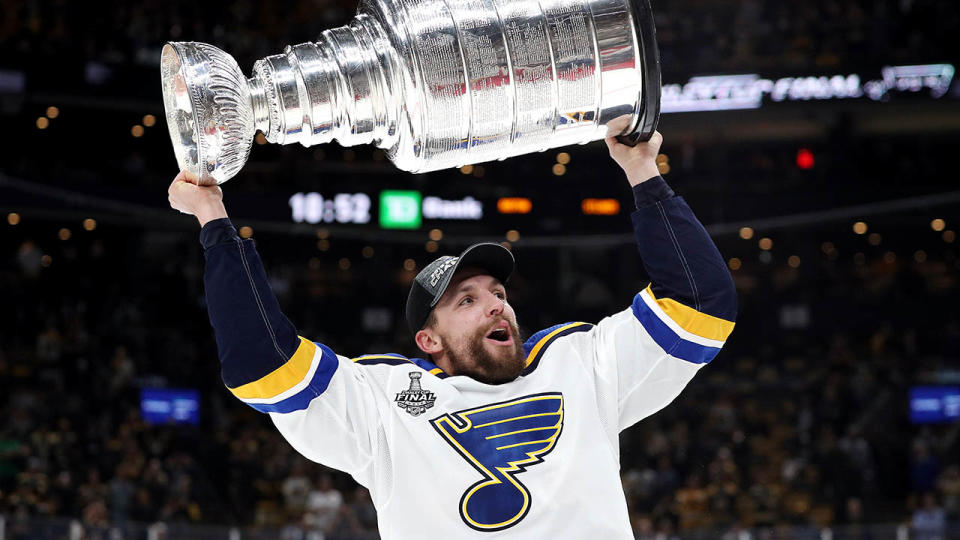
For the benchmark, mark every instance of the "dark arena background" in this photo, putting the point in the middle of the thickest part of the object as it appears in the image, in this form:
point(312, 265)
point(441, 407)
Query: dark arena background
point(817, 141)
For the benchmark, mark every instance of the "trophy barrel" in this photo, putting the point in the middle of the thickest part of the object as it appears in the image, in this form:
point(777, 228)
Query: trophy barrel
point(490, 79)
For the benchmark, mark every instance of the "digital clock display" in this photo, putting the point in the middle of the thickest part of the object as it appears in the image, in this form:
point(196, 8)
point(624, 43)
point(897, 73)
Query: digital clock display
point(340, 208)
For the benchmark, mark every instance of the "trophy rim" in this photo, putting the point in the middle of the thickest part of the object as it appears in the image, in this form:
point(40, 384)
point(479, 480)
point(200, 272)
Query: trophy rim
point(650, 98)
point(221, 110)
point(173, 50)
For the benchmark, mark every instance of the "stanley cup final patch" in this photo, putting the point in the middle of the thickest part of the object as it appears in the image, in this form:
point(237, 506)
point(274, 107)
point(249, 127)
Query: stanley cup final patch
point(415, 400)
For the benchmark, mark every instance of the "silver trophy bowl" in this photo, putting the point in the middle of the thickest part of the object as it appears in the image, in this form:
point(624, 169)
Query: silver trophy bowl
point(437, 83)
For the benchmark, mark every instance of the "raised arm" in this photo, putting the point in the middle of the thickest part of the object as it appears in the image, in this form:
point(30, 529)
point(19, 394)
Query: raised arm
point(319, 401)
point(679, 256)
point(645, 355)
point(254, 337)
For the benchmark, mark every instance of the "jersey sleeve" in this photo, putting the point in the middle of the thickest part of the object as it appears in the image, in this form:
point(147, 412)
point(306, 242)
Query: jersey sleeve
point(645, 355)
point(322, 403)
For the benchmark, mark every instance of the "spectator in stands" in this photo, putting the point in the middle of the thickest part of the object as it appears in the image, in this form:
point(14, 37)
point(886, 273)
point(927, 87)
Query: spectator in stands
point(929, 521)
point(323, 505)
point(296, 488)
point(949, 485)
point(358, 518)
point(924, 469)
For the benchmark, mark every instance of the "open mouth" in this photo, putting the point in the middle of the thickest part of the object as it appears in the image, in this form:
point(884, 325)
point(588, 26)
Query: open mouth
point(500, 334)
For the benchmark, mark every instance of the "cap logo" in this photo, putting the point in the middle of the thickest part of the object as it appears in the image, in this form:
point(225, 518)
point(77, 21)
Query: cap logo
point(438, 273)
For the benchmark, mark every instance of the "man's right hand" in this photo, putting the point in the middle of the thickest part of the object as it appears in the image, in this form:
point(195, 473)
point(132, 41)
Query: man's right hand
point(640, 161)
point(204, 202)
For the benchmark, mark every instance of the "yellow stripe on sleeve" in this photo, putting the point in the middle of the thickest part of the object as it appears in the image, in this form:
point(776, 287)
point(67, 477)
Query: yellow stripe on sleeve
point(693, 321)
point(380, 357)
point(283, 378)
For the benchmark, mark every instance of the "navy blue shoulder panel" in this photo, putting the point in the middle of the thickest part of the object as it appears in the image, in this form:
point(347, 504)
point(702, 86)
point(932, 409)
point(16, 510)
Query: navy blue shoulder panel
point(394, 359)
point(538, 343)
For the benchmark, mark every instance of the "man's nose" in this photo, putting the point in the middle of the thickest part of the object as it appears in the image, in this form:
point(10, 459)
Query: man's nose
point(495, 306)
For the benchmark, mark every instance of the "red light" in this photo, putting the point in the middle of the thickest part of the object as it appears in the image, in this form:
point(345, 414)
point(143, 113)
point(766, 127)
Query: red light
point(805, 159)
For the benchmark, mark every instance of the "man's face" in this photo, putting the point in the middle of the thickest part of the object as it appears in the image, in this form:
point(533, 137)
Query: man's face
point(477, 330)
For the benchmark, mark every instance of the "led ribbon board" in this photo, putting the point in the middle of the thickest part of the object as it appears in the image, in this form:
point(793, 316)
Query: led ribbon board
point(750, 91)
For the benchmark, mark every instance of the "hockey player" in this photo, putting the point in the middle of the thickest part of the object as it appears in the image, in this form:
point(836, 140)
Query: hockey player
point(489, 433)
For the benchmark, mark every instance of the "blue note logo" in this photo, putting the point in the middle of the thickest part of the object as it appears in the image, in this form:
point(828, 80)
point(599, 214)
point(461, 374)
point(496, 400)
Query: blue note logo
point(502, 440)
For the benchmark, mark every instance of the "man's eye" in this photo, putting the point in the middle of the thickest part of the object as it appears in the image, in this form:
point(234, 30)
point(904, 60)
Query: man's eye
point(500, 295)
point(466, 300)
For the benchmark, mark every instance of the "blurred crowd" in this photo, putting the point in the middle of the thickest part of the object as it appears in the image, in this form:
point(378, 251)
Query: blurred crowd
point(696, 36)
point(80, 341)
point(704, 37)
point(801, 422)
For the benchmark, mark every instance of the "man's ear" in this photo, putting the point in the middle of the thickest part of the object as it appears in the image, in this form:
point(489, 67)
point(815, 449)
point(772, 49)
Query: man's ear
point(428, 341)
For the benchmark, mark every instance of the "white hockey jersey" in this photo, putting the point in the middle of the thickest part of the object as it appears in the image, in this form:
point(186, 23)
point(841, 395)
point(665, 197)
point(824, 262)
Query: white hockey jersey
point(451, 457)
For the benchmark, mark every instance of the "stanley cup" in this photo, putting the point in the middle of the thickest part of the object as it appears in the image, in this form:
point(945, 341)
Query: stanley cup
point(437, 83)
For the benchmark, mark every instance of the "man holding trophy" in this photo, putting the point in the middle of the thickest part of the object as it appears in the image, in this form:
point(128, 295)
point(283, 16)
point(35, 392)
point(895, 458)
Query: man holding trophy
point(488, 433)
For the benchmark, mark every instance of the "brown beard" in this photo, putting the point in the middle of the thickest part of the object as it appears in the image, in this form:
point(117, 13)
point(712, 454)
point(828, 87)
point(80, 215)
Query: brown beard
point(487, 369)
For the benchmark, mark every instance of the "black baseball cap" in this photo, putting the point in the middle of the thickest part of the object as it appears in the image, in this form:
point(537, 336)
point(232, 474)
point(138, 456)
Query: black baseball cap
point(434, 279)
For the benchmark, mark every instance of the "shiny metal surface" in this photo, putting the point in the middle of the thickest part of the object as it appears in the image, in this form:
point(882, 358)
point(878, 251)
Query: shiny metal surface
point(438, 83)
